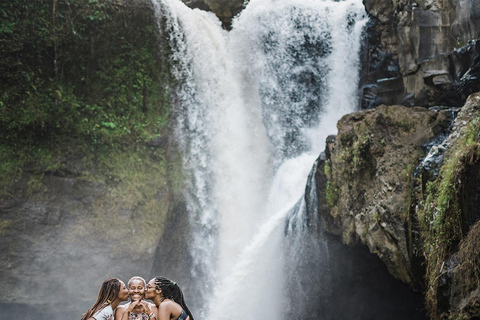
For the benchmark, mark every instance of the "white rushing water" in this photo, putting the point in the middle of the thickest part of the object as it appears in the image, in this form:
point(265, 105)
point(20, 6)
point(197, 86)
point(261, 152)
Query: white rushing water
point(254, 106)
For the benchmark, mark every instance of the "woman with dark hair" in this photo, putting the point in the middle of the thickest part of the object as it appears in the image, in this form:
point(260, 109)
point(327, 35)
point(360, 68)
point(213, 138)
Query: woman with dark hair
point(111, 293)
point(137, 308)
point(168, 298)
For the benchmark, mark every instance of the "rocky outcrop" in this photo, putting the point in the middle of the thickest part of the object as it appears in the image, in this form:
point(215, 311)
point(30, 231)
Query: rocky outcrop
point(421, 53)
point(224, 9)
point(447, 208)
point(403, 181)
point(367, 168)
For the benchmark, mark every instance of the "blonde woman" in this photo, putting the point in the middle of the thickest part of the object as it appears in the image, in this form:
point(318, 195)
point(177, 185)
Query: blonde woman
point(112, 292)
point(137, 308)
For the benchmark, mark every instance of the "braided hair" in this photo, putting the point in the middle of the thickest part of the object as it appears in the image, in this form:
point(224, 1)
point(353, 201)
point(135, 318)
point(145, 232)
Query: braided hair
point(108, 293)
point(171, 290)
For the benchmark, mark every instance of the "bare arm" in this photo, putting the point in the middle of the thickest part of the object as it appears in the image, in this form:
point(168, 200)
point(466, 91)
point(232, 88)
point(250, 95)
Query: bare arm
point(150, 309)
point(154, 311)
point(164, 312)
point(119, 312)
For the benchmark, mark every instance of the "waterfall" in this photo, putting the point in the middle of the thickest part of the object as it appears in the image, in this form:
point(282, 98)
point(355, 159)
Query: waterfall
point(253, 109)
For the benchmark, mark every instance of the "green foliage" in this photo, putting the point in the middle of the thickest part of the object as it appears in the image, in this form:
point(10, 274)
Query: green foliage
point(355, 155)
point(440, 215)
point(332, 194)
point(327, 169)
point(84, 75)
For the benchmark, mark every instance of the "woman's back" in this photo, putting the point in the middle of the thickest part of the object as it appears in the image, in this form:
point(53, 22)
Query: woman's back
point(170, 310)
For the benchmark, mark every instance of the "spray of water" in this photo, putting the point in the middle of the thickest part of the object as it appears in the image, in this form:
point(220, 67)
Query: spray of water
point(254, 107)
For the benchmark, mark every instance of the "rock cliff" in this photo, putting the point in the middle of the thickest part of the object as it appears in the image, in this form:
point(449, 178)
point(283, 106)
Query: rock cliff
point(393, 181)
point(224, 9)
point(421, 52)
point(368, 167)
point(390, 178)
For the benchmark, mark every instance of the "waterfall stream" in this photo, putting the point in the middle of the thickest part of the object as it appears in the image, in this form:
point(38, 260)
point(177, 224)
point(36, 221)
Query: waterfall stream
point(253, 109)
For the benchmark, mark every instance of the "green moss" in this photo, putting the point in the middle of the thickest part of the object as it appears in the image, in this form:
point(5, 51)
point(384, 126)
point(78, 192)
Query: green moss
point(4, 226)
point(332, 194)
point(35, 184)
point(327, 169)
point(355, 157)
point(136, 202)
point(440, 215)
point(405, 125)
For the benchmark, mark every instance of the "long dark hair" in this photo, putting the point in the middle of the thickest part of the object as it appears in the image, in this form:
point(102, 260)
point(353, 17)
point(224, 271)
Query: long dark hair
point(171, 290)
point(107, 294)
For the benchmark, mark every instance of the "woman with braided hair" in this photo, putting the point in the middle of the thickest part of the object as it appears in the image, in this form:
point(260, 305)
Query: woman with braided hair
point(168, 298)
point(112, 292)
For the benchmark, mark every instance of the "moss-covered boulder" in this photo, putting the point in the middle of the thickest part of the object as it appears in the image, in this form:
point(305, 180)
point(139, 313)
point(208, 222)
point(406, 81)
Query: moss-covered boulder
point(367, 171)
point(417, 211)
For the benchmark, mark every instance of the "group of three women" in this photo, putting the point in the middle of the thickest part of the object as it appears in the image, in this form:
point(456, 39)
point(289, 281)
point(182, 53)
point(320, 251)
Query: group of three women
point(166, 295)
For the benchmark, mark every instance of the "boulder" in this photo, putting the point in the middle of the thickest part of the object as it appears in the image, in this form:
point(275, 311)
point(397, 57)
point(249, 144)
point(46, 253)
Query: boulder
point(366, 178)
point(225, 10)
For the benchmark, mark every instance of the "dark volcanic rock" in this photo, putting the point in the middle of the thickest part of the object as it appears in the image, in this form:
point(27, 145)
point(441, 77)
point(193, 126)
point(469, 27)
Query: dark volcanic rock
point(367, 171)
point(420, 39)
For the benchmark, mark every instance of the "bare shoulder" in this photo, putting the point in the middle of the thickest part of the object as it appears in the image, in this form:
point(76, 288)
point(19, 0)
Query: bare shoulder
point(120, 311)
point(153, 307)
point(167, 303)
point(122, 307)
point(170, 306)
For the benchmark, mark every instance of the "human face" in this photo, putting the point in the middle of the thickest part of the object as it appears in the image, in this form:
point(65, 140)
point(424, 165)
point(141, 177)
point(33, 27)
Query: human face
point(137, 290)
point(150, 291)
point(123, 294)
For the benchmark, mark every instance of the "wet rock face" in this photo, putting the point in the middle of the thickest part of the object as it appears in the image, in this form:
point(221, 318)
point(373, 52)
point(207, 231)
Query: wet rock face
point(366, 181)
point(458, 290)
point(53, 246)
point(428, 43)
point(224, 9)
point(404, 181)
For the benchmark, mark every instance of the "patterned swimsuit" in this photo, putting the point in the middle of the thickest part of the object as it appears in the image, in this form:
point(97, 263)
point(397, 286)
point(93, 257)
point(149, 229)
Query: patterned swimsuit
point(138, 316)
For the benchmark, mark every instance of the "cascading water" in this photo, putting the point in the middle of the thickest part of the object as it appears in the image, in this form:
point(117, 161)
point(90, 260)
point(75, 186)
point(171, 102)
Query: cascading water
point(254, 106)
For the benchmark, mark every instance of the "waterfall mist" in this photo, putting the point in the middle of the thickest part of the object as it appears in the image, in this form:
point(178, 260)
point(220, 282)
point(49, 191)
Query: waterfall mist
point(253, 109)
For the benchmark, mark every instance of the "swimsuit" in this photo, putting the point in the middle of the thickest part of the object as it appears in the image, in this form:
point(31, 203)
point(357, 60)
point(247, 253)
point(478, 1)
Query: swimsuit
point(138, 316)
point(183, 315)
